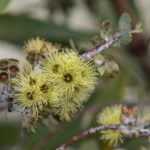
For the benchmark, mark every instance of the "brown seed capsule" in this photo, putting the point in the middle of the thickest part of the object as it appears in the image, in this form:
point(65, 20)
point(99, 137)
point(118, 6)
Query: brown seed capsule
point(4, 77)
point(4, 64)
point(14, 69)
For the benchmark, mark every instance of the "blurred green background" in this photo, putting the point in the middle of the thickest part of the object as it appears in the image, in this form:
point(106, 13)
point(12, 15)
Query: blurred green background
point(67, 22)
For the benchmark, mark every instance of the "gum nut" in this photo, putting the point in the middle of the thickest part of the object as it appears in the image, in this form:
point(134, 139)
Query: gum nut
point(4, 77)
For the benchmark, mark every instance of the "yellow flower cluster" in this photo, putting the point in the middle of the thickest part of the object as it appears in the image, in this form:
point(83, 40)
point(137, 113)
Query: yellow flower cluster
point(39, 46)
point(34, 91)
point(109, 116)
point(63, 82)
point(74, 78)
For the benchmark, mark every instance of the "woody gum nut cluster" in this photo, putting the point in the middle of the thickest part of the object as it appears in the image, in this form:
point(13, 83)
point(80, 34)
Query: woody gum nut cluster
point(8, 69)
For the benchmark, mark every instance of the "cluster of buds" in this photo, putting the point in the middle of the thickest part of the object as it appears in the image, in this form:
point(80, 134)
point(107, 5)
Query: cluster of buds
point(127, 116)
point(38, 48)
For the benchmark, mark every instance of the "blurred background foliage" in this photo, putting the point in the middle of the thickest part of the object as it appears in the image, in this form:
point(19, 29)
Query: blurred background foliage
point(67, 22)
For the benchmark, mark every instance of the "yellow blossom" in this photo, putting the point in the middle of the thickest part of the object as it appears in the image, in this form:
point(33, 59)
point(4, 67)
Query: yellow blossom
point(110, 116)
point(73, 77)
point(39, 46)
point(34, 91)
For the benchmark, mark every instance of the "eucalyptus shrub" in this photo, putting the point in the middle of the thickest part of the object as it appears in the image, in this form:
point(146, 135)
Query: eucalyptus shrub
point(58, 81)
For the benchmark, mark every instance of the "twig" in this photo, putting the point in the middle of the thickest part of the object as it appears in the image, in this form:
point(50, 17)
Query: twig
point(124, 129)
point(97, 51)
point(88, 132)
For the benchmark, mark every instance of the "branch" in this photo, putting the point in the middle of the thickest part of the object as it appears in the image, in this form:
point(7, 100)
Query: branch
point(88, 132)
point(97, 51)
point(124, 129)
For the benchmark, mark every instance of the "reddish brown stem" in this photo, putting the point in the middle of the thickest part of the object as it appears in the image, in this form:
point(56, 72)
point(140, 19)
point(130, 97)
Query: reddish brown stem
point(138, 130)
point(89, 132)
